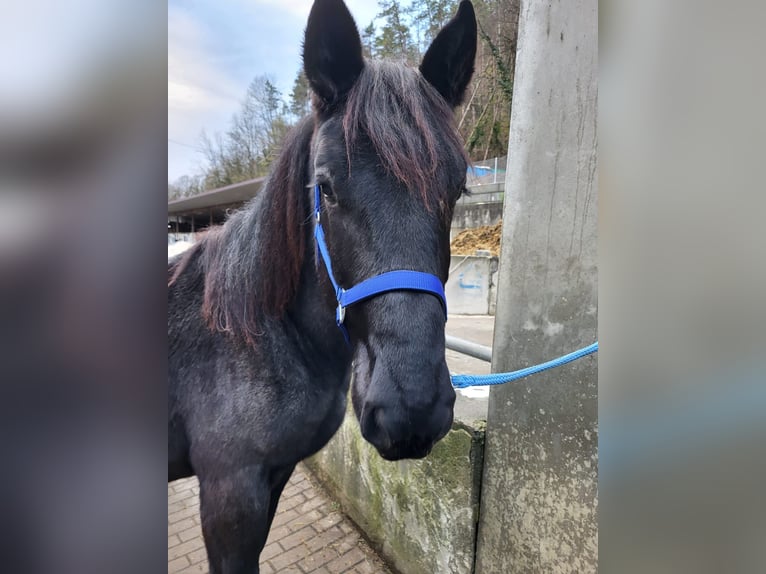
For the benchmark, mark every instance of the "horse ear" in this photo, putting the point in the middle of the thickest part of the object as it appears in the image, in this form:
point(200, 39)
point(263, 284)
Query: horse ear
point(332, 51)
point(448, 63)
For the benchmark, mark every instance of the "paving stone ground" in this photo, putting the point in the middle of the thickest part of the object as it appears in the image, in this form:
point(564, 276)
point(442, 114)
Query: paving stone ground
point(309, 534)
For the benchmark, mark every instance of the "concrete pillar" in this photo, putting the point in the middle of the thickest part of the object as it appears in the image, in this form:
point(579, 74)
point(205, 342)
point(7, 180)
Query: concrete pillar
point(539, 491)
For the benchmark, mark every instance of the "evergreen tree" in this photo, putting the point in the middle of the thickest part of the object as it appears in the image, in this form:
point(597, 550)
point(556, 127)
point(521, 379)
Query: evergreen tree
point(300, 96)
point(394, 40)
point(368, 40)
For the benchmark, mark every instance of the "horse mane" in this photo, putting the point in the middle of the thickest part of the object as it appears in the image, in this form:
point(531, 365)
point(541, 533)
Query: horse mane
point(410, 126)
point(252, 264)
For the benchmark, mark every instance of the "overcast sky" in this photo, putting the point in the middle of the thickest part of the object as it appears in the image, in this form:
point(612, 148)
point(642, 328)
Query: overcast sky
point(215, 48)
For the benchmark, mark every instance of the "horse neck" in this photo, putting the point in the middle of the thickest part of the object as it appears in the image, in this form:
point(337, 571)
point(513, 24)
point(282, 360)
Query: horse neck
point(309, 318)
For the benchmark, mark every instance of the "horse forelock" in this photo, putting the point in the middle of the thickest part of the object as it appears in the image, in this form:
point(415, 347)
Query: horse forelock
point(410, 126)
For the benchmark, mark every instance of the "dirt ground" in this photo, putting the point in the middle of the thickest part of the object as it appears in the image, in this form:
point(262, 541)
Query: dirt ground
point(469, 240)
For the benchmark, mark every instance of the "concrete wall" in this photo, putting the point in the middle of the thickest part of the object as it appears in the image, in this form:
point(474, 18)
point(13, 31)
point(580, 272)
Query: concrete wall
point(539, 494)
point(471, 215)
point(421, 515)
point(471, 286)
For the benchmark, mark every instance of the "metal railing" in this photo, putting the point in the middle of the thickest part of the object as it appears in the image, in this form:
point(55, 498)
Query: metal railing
point(487, 172)
point(485, 182)
point(469, 348)
point(474, 196)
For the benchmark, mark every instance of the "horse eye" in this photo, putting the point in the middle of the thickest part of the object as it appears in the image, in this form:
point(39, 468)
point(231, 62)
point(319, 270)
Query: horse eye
point(327, 191)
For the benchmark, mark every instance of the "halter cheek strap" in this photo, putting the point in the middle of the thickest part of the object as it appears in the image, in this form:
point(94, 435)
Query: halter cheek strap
point(401, 280)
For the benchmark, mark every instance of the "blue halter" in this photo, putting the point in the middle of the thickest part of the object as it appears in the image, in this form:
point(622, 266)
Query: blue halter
point(391, 281)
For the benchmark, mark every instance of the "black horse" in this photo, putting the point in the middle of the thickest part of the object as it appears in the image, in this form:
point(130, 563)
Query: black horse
point(258, 369)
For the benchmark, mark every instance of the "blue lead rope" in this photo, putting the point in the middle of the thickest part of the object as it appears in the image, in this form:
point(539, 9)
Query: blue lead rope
point(463, 381)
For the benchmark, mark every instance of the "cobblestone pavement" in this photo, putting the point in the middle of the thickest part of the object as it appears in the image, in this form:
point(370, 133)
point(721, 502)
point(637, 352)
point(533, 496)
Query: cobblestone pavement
point(309, 534)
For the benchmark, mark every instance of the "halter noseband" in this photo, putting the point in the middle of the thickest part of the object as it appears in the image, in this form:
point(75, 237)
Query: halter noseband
point(401, 280)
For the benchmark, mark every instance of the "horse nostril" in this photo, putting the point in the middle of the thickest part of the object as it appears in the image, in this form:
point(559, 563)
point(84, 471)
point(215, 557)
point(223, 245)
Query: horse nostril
point(378, 418)
point(373, 426)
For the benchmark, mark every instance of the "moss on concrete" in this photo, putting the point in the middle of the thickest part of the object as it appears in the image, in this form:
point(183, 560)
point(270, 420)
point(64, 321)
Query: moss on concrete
point(421, 515)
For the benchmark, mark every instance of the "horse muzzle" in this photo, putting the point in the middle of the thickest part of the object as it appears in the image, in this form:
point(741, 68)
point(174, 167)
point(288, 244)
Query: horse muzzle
point(399, 432)
point(402, 424)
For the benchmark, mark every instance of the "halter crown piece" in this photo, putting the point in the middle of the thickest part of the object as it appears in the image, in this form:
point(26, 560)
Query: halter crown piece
point(401, 280)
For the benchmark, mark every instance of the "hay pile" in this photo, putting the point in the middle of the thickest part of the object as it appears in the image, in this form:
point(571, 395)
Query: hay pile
point(469, 240)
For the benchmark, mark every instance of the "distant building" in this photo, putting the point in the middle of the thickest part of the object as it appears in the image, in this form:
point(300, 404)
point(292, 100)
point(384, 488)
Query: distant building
point(190, 215)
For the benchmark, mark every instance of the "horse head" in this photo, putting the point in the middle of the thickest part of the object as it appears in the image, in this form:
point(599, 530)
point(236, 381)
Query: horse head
point(390, 166)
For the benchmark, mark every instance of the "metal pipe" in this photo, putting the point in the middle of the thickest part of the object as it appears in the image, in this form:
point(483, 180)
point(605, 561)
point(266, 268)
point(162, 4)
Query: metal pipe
point(469, 348)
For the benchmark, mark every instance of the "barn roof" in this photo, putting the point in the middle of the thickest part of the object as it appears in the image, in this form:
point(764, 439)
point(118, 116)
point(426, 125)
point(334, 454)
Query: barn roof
point(235, 193)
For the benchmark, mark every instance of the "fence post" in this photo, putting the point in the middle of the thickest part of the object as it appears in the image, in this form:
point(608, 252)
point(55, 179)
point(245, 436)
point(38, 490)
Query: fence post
point(539, 490)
